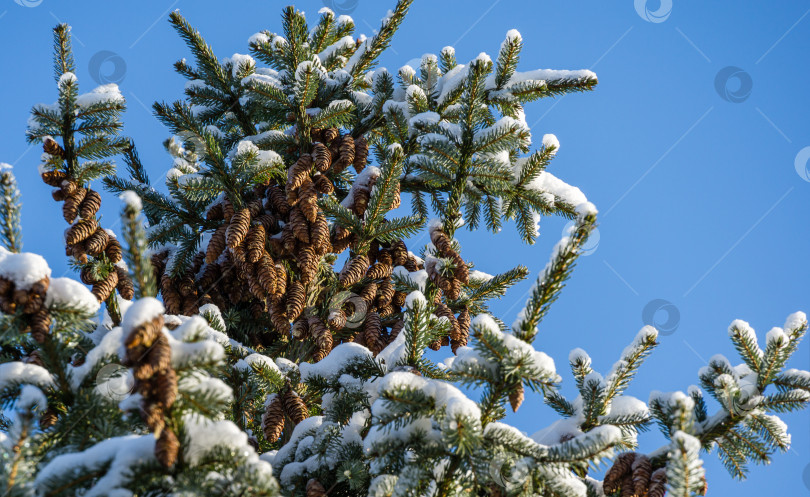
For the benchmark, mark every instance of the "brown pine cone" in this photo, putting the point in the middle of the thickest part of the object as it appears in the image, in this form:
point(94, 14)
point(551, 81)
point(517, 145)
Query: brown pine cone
point(281, 279)
point(642, 469)
point(48, 418)
point(322, 335)
point(171, 298)
point(113, 250)
point(298, 223)
point(273, 420)
point(337, 319)
point(368, 293)
point(516, 397)
point(40, 322)
point(322, 184)
point(658, 483)
point(237, 230)
point(294, 406)
point(307, 261)
point(319, 234)
point(322, 158)
point(167, 448)
point(330, 134)
point(81, 230)
point(215, 212)
point(268, 222)
point(300, 329)
point(372, 332)
point(341, 244)
point(463, 321)
point(315, 489)
point(379, 271)
point(296, 300)
point(627, 487)
point(360, 154)
point(50, 147)
point(69, 187)
point(216, 245)
point(398, 327)
point(125, 286)
point(399, 253)
point(443, 311)
point(97, 242)
point(278, 200)
point(308, 200)
point(354, 270)
point(255, 208)
point(54, 178)
point(266, 274)
point(621, 468)
point(278, 316)
point(255, 243)
point(346, 153)
point(166, 386)
point(102, 289)
point(360, 201)
point(70, 209)
point(297, 174)
point(399, 298)
point(90, 205)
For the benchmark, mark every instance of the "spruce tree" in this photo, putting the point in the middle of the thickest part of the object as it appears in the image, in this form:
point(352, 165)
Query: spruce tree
point(263, 329)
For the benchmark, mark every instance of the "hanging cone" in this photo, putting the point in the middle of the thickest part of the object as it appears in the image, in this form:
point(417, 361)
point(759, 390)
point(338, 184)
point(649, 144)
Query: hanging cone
point(516, 398)
point(273, 420)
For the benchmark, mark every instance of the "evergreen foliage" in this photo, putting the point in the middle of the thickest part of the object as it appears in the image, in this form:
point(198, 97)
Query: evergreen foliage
point(266, 369)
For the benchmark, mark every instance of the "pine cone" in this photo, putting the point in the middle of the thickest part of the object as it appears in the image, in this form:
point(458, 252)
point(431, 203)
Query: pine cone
point(102, 289)
point(298, 222)
point(463, 321)
point(322, 158)
point(40, 322)
point(360, 154)
point(273, 420)
point(167, 448)
point(278, 316)
point(319, 234)
point(113, 250)
point(395, 330)
point(315, 489)
point(321, 334)
point(48, 418)
point(281, 279)
point(294, 406)
point(268, 222)
point(372, 332)
point(658, 483)
point(90, 205)
point(97, 242)
point(516, 397)
point(379, 271)
point(353, 271)
point(125, 286)
point(322, 184)
point(70, 209)
point(621, 468)
point(368, 293)
point(227, 209)
point(336, 320)
point(255, 243)
point(642, 469)
point(278, 200)
point(266, 273)
point(298, 173)
point(214, 212)
point(50, 147)
point(296, 300)
point(216, 245)
point(300, 329)
point(171, 298)
point(346, 153)
point(81, 230)
point(330, 134)
point(307, 262)
point(54, 178)
point(308, 200)
point(240, 223)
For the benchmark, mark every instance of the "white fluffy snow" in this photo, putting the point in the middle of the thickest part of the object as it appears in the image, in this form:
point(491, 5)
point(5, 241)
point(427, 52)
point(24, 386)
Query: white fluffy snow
point(105, 93)
point(69, 293)
point(23, 269)
point(131, 199)
point(141, 311)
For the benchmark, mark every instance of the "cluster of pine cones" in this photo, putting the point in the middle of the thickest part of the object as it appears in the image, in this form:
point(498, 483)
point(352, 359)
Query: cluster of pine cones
point(149, 355)
point(632, 476)
point(85, 237)
point(450, 281)
point(32, 304)
point(286, 402)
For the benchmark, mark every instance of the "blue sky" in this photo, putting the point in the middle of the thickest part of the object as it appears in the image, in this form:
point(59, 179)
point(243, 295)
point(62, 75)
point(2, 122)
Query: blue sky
point(699, 171)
